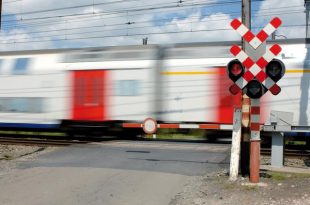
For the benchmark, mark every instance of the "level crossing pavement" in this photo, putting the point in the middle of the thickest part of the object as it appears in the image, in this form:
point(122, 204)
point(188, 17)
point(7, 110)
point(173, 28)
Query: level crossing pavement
point(111, 173)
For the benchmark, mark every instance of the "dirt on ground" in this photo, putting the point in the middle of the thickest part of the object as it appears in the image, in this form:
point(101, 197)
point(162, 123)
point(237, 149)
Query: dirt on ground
point(275, 188)
point(10, 154)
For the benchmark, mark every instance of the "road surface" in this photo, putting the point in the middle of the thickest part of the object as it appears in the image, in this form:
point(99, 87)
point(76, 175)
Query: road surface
point(111, 173)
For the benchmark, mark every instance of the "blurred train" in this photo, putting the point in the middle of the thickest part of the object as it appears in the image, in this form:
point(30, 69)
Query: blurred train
point(101, 88)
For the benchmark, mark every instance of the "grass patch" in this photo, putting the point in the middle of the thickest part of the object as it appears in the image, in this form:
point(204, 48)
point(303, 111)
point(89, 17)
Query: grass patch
point(7, 157)
point(175, 134)
point(7, 132)
point(282, 176)
point(249, 188)
point(179, 137)
point(230, 185)
point(279, 176)
point(296, 143)
point(32, 133)
point(296, 175)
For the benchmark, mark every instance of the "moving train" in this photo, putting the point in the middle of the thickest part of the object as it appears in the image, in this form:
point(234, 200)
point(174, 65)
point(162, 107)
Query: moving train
point(103, 88)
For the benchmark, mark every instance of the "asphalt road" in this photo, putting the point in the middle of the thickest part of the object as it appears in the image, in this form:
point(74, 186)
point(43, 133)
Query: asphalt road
point(111, 173)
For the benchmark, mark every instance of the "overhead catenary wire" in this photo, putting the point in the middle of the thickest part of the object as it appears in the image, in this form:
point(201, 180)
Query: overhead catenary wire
point(24, 40)
point(29, 25)
point(127, 10)
point(119, 24)
point(69, 33)
point(80, 19)
point(136, 8)
point(145, 27)
point(137, 22)
point(72, 7)
point(203, 15)
point(58, 16)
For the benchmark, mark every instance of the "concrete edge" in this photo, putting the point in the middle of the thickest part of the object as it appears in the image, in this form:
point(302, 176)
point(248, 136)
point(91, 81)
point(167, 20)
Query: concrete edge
point(286, 169)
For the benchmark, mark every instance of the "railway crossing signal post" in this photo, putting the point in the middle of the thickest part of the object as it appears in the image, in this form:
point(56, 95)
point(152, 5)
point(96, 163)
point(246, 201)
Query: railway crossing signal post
point(253, 74)
point(245, 121)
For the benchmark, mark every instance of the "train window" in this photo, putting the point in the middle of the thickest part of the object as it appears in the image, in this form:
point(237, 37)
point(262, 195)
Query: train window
point(143, 54)
point(20, 67)
point(35, 105)
point(22, 105)
point(83, 57)
point(17, 105)
point(99, 56)
point(139, 55)
point(197, 52)
point(3, 104)
point(128, 87)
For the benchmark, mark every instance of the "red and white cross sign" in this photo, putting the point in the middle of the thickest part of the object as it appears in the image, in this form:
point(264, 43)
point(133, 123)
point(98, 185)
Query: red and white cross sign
point(256, 41)
point(255, 69)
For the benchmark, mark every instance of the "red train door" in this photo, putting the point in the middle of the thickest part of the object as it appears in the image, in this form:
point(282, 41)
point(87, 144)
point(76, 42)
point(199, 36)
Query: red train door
point(226, 101)
point(89, 95)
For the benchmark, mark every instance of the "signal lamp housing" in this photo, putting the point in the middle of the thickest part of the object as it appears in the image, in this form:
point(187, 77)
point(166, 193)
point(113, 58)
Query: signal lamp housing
point(254, 89)
point(275, 70)
point(235, 70)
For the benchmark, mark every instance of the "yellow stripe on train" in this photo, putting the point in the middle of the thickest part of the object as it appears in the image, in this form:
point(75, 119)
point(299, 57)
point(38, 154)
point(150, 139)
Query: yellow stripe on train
point(215, 72)
point(190, 73)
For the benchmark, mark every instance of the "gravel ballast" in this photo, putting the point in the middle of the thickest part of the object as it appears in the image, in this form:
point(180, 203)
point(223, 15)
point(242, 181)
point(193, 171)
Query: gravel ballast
point(11, 154)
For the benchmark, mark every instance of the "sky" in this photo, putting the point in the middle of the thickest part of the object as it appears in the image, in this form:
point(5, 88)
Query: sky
point(49, 24)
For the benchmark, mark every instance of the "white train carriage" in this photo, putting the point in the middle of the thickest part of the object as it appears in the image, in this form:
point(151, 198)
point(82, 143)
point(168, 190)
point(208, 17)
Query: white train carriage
point(107, 86)
point(33, 90)
point(41, 89)
point(197, 84)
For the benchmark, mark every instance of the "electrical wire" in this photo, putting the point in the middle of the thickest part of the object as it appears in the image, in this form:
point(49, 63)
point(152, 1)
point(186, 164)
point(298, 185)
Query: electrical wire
point(124, 11)
point(24, 40)
point(21, 40)
point(130, 9)
point(134, 22)
point(71, 21)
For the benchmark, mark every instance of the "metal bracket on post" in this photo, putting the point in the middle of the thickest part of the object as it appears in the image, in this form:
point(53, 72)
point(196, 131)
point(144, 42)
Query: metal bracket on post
point(277, 150)
point(281, 121)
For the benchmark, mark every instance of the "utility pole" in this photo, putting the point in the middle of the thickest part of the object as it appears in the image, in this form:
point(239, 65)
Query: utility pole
point(307, 5)
point(144, 41)
point(246, 103)
point(304, 80)
point(0, 13)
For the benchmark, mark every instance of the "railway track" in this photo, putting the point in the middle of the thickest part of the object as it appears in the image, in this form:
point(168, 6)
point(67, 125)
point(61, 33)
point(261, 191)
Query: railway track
point(291, 153)
point(40, 142)
point(46, 142)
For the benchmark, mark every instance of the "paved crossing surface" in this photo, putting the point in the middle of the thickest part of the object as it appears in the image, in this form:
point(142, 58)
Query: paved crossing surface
point(119, 172)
